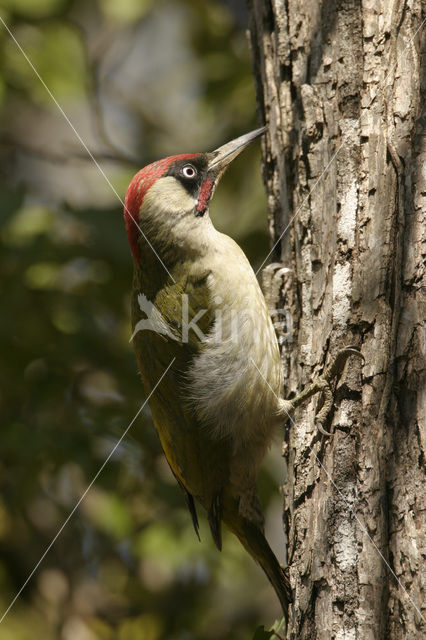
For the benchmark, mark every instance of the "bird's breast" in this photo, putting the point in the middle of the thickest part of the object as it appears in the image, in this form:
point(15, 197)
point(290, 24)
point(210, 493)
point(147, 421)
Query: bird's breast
point(236, 380)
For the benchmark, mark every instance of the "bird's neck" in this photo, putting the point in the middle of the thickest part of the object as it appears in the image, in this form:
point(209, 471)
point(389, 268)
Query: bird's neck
point(165, 248)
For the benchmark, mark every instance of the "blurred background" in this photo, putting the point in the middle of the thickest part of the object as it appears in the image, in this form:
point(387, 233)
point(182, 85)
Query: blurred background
point(138, 79)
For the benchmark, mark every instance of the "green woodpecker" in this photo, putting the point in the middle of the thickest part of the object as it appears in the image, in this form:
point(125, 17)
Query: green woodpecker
point(197, 308)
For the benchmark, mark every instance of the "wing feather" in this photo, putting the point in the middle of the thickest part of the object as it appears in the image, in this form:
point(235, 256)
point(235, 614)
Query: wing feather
point(199, 461)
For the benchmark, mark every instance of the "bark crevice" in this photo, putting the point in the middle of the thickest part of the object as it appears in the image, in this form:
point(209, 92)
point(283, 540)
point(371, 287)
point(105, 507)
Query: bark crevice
point(340, 85)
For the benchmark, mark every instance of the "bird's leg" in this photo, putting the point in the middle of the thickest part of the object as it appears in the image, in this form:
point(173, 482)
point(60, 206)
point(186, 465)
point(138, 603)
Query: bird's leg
point(323, 384)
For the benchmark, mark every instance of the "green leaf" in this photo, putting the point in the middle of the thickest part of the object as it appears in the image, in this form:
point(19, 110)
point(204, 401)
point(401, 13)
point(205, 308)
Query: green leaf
point(262, 634)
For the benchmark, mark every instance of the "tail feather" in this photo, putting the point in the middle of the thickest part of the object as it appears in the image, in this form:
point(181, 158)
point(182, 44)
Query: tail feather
point(193, 511)
point(214, 516)
point(252, 538)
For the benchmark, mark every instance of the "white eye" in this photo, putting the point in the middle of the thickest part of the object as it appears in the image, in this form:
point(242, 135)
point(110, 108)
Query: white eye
point(189, 171)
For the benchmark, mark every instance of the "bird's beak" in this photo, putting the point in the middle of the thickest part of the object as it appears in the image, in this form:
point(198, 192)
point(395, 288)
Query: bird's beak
point(224, 155)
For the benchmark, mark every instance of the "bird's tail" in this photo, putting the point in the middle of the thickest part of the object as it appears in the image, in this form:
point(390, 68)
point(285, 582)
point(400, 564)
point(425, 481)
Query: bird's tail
point(252, 538)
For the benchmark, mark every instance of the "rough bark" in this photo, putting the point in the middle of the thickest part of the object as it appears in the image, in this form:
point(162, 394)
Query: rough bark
point(340, 85)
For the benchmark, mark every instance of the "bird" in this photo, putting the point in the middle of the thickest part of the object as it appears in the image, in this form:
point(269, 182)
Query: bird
point(212, 370)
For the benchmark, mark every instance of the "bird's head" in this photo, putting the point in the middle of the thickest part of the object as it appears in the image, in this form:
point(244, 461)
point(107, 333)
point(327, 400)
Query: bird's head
point(169, 199)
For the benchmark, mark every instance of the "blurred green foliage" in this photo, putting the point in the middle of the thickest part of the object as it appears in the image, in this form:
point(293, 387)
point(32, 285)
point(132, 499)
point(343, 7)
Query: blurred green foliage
point(139, 79)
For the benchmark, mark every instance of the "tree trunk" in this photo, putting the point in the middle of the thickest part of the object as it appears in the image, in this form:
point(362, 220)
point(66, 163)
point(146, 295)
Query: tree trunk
point(340, 85)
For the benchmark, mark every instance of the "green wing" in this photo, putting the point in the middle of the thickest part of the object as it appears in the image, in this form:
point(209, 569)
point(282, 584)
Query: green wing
point(199, 462)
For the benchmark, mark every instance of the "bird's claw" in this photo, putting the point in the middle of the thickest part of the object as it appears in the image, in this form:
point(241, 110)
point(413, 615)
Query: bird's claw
point(340, 360)
point(323, 385)
point(329, 375)
point(321, 429)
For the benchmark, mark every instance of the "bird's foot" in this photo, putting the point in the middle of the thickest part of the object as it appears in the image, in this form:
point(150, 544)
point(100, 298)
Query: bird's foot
point(277, 284)
point(272, 281)
point(323, 384)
